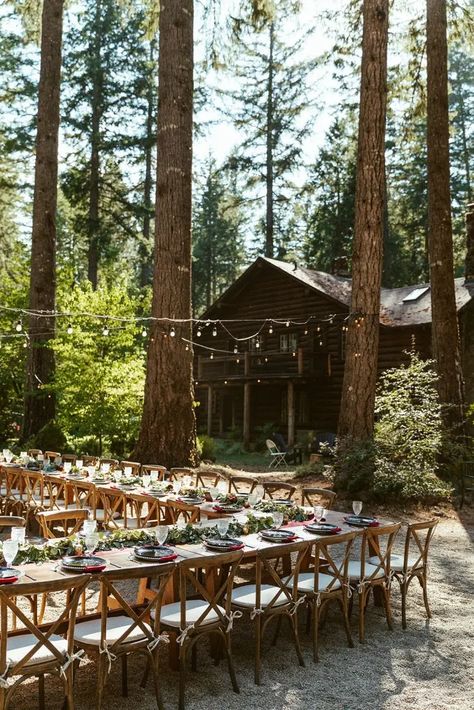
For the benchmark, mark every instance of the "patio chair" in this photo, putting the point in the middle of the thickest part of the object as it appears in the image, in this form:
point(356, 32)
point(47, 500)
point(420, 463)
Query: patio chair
point(115, 636)
point(54, 492)
point(10, 521)
point(248, 481)
point(324, 495)
point(115, 505)
point(134, 465)
point(113, 463)
point(14, 499)
point(51, 455)
point(38, 651)
point(89, 460)
point(34, 453)
point(268, 601)
point(189, 513)
point(150, 467)
point(208, 477)
point(179, 471)
point(72, 458)
point(365, 576)
point(413, 564)
point(69, 520)
point(271, 487)
point(210, 613)
point(277, 457)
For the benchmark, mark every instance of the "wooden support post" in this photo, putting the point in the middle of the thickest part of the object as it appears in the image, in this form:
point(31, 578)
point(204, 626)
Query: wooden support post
point(209, 409)
point(300, 361)
point(247, 363)
point(291, 414)
point(246, 424)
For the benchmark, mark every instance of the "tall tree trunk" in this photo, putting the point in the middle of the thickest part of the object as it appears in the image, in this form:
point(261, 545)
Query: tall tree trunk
point(168, 427)
point(93, 219)
point(145, 252)
point(445, 333)
point(40, 405)
point(269, 240)
point(356, 419)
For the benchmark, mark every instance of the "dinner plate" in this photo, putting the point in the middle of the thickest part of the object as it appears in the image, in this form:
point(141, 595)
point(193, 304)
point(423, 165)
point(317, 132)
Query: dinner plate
point(190, 500)
point(361, 521)
point(225, 545)
point(277, 535)
point(83, 563)
point(280, 501)
point(227, 508)
point(154, 553)
point(8, 575)
point(323, 529)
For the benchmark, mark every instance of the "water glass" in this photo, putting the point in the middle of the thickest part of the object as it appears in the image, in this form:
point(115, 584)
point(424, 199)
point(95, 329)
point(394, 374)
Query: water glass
point(57, 461)
point(92, 541)
point(259, 492)
point(222, 526)
point(10, 550)
point(19, 534)
point(154, 476)
point(187, 481)
point(105, 467)
point(5, 452)
point(24, 455)
point(277, 519)
point(214, 492)
point(357, 507)
point(176, 487)
point(67, 466)
point(91, 471)
point(252, 499)
point(161, 533)
point(222, 487)
point(318, 512)
point(8, 455)
point(79, 463)
point(146, 480)
point(117, 476)
point(127, 471)
point(89, 527)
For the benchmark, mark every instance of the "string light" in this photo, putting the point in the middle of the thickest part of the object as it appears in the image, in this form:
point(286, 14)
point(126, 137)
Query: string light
point(211, 356)
point(270, 330)
point(69, 329)
point(105, 331)
point(287, 323)
point(236, 349)
point(144, 333)
point(187, 347)
point(19, 326)
point(214, 331)
point(199, 332)
point(172, 332)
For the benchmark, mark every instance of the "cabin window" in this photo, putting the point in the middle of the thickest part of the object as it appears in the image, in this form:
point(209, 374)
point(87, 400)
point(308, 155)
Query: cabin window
point(288, 342)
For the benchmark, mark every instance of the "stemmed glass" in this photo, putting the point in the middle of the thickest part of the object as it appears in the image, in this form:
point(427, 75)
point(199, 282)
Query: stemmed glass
point(92, 540)
point(176, 487)
point(89, 527)
point(19, 534)
point(277, 519)
point(10, 551)
point(187, 481)
point(318, 512)
point(146, 480)
point(259, 492)
point(8, 455)
point(154, 476)
point(357, 507)
point(105, 468)
point(161, 533)
point(222, 526)
point(67, 467)
point(252, 498)
point(222, 487)
point(79, 464)
point(127, 471)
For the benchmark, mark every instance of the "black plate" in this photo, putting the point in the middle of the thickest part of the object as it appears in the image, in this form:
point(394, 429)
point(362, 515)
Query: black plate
point(281, 501)
point(222, 545)
point(154, 553)
point(9, 573)
point(190, 500)
point(323, 529)
point(277, 535)
point(83, 563)
point(227, 508)
point(359, 521)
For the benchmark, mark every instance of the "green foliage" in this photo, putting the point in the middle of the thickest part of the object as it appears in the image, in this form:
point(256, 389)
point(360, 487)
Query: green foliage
point(316, 469)
point(206, 447)
point(50, 438)
point(354, 466)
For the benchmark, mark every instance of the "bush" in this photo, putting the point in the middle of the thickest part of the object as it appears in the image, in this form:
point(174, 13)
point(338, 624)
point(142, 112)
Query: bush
point(262, 433)
point(50, 438)
point(317, 468)
point(354, 465)
point(206, 447)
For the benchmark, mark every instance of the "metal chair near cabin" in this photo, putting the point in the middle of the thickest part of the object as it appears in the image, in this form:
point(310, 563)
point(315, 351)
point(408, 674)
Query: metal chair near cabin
point(277, 457)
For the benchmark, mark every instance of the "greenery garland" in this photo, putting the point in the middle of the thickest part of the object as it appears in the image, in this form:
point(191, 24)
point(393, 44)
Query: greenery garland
point(290, 512)
point(191, 534)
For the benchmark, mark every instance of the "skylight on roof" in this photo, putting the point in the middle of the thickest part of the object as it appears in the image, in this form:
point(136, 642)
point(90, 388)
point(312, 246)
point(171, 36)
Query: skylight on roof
point(415, 294)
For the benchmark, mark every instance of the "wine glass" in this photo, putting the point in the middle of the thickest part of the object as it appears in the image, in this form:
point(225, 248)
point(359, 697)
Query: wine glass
point(67, 467)
point(222, 487)
point(357, 507)
point(127, 471)
point(10, 550)
point(91, 471)
point(259, 492)
point(5, 452)
point(8, 455)
point(89, 527)
point(252, 498)
point(161, 533)
point(105, 468)
point(154, 476)
point(176, 487)
point(318, 512)
point(79, 464)
point(146, 480)
point(277, 519)
point(213, 491)
point(19, 534)
point(187, 481)
point(117, 475)
point(222, 526)
point(92, 540)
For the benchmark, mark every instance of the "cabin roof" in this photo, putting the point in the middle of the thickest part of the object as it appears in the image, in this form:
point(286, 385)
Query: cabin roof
point(405, 306)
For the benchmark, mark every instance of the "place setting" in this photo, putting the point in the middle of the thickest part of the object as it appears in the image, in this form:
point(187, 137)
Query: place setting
point(360, 521)
point(222, 543)
point(155, 552)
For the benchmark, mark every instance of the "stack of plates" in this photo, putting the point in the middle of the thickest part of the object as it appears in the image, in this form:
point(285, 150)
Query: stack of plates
point(226, 545)
point(155, 553)
point(83, 563)
point(278, 535)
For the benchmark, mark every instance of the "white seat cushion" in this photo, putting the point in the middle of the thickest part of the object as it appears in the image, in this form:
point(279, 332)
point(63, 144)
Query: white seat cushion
point(245, 596)
point(354, 570)
point(18, 647)
point(171, 613)
point(89, 631)
point(396, 562)
point(306, 582)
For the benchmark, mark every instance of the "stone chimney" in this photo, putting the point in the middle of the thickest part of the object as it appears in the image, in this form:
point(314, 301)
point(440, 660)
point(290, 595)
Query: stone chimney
point(469, 272)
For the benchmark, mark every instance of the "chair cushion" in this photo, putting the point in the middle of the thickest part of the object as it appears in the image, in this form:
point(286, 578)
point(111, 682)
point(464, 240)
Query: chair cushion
point(306, 582)
point(396, 562)
point(89, 631)
point(354, 570)
point(245, 596)
point(171, 613)
point(18, 647)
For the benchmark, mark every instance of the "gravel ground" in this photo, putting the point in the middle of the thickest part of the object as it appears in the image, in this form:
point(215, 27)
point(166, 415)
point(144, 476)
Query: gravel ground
point(427, 667)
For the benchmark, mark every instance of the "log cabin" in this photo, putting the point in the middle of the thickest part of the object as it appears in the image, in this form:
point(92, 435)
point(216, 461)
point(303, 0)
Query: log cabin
point(278, 359)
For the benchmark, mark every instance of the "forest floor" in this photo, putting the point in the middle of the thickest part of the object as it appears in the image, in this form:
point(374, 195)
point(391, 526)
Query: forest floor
point(426, 667)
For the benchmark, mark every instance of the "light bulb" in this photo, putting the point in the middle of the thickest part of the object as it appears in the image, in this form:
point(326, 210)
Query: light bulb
point(236, 349)
point(199, 332)
point(69, 329)
point(144, 333)
point(257, 343)
point(211, 356)
point(105, 331)
point(287, 323)
point(187, 347)
point(270, 330)
point(214, 331)
point(18, 327)
point(172, 332)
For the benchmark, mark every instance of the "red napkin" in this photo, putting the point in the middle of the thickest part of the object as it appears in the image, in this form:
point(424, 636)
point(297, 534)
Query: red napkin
point(8, 580)
point(94, 568)
point(168, 558)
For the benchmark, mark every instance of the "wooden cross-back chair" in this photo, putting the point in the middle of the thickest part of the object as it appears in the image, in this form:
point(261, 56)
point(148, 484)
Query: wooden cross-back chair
point(209, 613)
point(413, 564)
point(147, 468)
point(34, 452)
point(33, 492)
point(69, 520)
point(72, 458)
point(82, 494)
point(134, 465)
point(130, 631)
point(54, 491)
point(237, 482)
point(373, 570)
point(272, 596)
point(113, 463)
point(208, 477)
point(179, 472)
point(328, 581)
point(88, 460)
point(146, 509)
point(14, 498)
point(114, 504)
point(38, 651)
point(51, 455)
point(271, 487)
point(7, 522)
point(188, 513)
point(323, 495)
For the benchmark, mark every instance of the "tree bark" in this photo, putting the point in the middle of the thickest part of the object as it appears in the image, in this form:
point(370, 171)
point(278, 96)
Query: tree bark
point(269, 240)
point(145, 254)
point(168, 428)
point(40, 404)
point(445, 332)
point(356, 419)
point(93, 219)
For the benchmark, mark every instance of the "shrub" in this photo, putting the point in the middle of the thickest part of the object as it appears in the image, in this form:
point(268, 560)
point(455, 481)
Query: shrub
point(206, 447)
point(50, 438)
point(317, 468)
point(354, 465)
